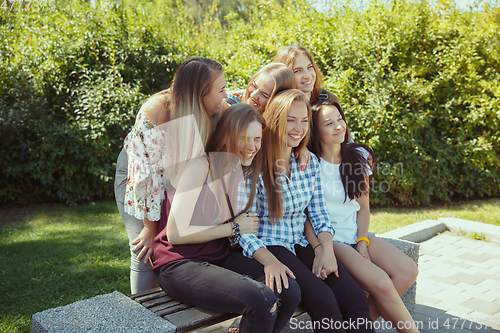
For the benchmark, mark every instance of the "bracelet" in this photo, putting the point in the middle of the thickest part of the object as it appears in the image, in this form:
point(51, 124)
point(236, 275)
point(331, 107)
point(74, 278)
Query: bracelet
point(235, 233)
point(363, 239)
point(316, 246)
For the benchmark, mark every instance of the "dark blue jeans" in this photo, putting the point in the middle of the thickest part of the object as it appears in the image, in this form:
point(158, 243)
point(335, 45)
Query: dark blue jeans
point(218, 288)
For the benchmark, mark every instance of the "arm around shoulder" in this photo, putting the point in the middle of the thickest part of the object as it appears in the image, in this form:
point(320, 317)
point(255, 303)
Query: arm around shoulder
point(179, 229)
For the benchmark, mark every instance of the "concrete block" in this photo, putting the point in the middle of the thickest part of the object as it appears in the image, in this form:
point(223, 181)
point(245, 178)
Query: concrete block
point(417, 232)
point(113, 313)
point(458, 225)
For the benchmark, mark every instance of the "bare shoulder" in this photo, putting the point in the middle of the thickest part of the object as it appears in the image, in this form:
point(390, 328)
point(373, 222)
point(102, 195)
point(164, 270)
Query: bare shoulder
point(155, 109)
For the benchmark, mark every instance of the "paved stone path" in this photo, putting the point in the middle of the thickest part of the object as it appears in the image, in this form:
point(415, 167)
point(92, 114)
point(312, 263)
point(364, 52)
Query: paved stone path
point(458, 286)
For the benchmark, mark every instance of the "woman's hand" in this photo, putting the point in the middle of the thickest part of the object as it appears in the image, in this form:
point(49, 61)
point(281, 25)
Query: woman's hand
point(363, 250)
point(248, 224)
point(304, 158)
point(275, 273)
point(316, 269)
point(144, 241)
point(324, 264)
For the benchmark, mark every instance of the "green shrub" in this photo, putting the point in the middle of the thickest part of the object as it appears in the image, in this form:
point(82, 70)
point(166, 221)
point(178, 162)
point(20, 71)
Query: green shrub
point(419, 83)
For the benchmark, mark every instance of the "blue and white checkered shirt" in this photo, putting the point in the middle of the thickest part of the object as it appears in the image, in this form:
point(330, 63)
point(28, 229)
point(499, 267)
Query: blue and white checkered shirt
point(302, 190)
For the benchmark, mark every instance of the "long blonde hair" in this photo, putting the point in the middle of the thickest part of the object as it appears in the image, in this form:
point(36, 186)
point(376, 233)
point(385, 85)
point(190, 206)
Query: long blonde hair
point(275, 143)
point(232, 124)
point(282, 76)
point(193, 80)
point(188, 126)
point(287, 55)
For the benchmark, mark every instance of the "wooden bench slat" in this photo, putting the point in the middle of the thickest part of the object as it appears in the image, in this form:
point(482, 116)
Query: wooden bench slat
point(158, 301)
point(167, 305)
point(146, 298)
point(160, 307)
point(195, 318)
point(172, 309)
point(144, 293)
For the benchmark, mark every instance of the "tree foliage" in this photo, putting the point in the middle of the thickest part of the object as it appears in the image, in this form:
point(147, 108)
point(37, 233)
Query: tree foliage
point(420, 84)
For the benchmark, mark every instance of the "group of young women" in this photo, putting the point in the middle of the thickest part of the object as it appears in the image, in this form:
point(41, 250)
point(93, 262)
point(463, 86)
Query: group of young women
point(264, 206)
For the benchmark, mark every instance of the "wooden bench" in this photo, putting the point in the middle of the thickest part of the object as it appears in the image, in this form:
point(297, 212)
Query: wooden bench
point(184, 317)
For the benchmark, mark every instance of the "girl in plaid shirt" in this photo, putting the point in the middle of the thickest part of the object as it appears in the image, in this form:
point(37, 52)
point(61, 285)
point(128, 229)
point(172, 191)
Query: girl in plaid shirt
point(284, 194)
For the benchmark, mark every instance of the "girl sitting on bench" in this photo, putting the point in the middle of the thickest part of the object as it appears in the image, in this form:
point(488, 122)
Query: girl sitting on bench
point(195, 263)
point(378, 267)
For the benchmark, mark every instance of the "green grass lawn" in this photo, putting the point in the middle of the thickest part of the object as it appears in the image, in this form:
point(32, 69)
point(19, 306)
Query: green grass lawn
point(384, 219)
point(54, 255)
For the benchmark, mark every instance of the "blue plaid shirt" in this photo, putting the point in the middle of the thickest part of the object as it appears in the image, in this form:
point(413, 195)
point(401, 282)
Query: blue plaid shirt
point(303, 190)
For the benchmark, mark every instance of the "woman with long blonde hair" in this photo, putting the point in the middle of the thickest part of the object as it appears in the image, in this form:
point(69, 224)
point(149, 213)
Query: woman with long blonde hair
point(285, 198)
point(196, 93)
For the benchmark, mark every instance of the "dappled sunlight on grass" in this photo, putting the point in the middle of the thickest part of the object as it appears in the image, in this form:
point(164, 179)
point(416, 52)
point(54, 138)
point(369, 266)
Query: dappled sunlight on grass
point(58, 258)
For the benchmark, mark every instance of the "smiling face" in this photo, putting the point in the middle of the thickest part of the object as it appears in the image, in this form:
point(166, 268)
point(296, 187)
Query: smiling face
point(212, 100)
point(331, 126)
point(259, 91)
point(297, 124)
point(249, 143)
point(305, 75)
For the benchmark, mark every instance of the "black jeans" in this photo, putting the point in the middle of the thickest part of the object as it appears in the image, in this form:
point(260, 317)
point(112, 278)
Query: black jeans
point(288, 300)
point(217, 288)
point(338, 292)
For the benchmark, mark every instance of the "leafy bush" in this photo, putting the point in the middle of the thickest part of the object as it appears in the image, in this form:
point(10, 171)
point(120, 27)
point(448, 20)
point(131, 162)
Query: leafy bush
point(419, 83)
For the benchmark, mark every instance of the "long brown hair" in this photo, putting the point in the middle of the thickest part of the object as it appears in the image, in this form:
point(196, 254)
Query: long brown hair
point(275, 143)
point(231, 125)
point(282, 76)
point(287, 55)
point(353, 166)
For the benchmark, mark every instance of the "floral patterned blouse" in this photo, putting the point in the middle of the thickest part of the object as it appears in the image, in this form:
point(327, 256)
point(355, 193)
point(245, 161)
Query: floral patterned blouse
point(145, 183)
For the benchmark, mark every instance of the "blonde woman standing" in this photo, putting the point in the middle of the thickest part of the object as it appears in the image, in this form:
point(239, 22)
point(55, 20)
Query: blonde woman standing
point(197, 90)
point(263, 85)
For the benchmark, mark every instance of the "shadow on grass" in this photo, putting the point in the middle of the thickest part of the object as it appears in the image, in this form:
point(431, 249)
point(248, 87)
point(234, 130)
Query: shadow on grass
point(50, 266)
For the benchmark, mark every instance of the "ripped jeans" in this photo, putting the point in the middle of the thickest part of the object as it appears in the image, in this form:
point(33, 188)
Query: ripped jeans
point(219, 289)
